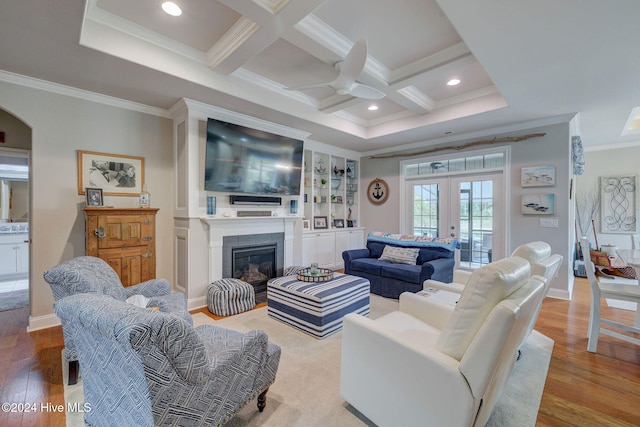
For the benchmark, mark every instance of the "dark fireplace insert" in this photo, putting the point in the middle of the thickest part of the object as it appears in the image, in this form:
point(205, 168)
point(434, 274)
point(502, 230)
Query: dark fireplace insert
point(254, 265)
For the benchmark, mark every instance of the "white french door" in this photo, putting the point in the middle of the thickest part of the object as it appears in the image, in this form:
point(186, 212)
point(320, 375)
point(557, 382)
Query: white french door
point(467, 207)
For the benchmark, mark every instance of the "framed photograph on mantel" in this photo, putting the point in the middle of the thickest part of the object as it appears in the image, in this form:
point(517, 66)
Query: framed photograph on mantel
point(114, 174)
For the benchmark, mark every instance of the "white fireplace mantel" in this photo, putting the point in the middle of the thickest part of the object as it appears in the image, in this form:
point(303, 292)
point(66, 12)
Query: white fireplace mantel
point(237, 226)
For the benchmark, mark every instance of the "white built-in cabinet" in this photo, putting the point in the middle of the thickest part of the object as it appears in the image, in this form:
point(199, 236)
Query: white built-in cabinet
point(14, 256)
point(325, 247)
point(319, 247)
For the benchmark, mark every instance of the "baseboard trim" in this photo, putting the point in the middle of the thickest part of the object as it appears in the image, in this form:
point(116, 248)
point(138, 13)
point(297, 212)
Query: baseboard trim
point(43, 322)
point(195, 303)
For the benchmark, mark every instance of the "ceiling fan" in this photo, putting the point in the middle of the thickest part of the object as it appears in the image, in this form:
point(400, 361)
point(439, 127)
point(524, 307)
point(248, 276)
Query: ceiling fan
point(348, 71)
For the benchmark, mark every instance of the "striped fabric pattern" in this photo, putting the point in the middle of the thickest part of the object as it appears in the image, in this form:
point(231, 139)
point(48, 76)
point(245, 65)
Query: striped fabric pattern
point(400, 255)
point(148, 368)
point(317, 308)
point(226, 297)
point(413, 241)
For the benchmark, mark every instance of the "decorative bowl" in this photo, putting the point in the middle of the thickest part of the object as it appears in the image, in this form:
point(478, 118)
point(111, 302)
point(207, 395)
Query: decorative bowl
point(322, 275)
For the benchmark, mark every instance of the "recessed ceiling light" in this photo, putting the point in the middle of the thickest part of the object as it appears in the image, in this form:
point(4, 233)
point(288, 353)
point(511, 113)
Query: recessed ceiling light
point(171, 8)
point(453, 82)
point(372, 107)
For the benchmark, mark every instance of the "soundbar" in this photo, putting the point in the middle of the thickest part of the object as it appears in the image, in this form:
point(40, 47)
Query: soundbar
point(255, 200)
point(245, 214)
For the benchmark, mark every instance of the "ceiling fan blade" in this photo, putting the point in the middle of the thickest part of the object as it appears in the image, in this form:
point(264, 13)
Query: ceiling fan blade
point(367, 92)
point(351, 67)
point(309, 86)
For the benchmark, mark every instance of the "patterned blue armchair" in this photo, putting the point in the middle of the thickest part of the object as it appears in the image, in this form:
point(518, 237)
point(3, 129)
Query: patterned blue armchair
point(87, 274)
point(148, 368)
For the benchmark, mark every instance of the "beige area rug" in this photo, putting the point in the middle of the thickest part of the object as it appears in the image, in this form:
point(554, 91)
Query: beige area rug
point(306, 392)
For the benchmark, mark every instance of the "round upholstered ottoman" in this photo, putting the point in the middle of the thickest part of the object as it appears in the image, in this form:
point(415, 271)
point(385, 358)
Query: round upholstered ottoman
point(230, 296)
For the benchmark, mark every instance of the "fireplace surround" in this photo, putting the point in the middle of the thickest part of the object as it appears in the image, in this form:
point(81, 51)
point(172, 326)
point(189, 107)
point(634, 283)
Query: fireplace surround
point(254, 258)
point(247, 232)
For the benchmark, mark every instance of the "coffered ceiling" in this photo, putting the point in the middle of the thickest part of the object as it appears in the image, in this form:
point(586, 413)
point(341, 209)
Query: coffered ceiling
point(517, 62)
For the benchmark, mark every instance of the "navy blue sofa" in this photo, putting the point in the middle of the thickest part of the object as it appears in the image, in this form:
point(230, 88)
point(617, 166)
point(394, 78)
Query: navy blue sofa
point(435, 261)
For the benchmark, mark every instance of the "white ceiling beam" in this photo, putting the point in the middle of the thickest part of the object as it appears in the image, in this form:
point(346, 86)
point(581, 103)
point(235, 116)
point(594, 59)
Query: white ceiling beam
point(262, 23)
point(402, 75)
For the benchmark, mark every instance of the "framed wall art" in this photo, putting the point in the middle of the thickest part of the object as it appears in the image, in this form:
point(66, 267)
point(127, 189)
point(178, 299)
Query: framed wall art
point(115, 174)
point(538, 204)
point(378, 191)
point(618, 204)
point(538, 176)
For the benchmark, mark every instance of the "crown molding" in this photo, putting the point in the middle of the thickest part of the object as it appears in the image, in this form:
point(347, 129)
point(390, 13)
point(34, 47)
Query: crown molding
point(203, 111)
point(620, 145)
point(548, 121)
point(59, 89)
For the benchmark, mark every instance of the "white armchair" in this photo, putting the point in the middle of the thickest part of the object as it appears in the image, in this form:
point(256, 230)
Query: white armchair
point(543, 263)
point(445, 364)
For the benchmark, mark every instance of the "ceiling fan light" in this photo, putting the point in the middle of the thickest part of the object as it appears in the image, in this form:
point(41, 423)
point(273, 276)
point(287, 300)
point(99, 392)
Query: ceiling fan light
point(453, 82)
point(171, 8)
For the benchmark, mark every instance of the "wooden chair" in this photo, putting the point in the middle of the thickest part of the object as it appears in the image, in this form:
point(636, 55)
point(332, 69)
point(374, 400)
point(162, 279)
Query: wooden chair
point(617, 291)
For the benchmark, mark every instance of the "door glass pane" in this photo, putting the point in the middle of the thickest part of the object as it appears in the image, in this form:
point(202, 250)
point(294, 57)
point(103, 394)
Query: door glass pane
point(425, 210)
point(476, 222)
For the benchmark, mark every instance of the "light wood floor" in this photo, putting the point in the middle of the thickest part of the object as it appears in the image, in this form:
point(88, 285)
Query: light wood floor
point(582, 389)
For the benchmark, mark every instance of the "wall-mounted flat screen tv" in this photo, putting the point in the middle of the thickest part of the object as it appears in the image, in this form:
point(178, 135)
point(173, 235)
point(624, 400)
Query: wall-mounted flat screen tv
point(244, 160)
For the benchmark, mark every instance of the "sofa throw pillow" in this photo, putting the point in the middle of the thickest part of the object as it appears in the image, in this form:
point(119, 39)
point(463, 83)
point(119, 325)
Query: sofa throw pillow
point(400, 255)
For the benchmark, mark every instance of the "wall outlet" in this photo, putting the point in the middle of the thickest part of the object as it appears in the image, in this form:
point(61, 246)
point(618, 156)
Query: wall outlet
point(549, 222)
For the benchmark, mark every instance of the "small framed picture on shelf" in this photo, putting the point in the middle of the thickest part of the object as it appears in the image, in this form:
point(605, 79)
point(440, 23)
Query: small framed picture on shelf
point(349, 200)
point(338, 223)
point(351, 169)
point(338, 199)
point(94, 196)
point(351, 223)
point(306, 224)
point(320, 222)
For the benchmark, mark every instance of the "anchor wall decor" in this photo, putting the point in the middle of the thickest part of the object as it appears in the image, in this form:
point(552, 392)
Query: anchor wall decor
point(378, 191)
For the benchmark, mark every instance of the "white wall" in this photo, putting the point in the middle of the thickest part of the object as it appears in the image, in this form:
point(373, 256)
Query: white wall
point(61, 125)
point(610, 162)
point(551, 149)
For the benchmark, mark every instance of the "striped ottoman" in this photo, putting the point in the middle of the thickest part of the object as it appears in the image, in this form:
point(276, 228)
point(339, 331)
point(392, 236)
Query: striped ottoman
point(230, 296)
point(317, 308)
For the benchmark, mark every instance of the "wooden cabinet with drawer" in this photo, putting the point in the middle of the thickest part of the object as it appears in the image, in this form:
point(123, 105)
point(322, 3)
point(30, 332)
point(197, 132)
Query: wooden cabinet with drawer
point(125, 239)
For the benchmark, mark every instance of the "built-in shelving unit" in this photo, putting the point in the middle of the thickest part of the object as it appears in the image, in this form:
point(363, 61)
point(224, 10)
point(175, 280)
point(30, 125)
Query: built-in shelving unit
point(330, 191)
point(331, 208)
